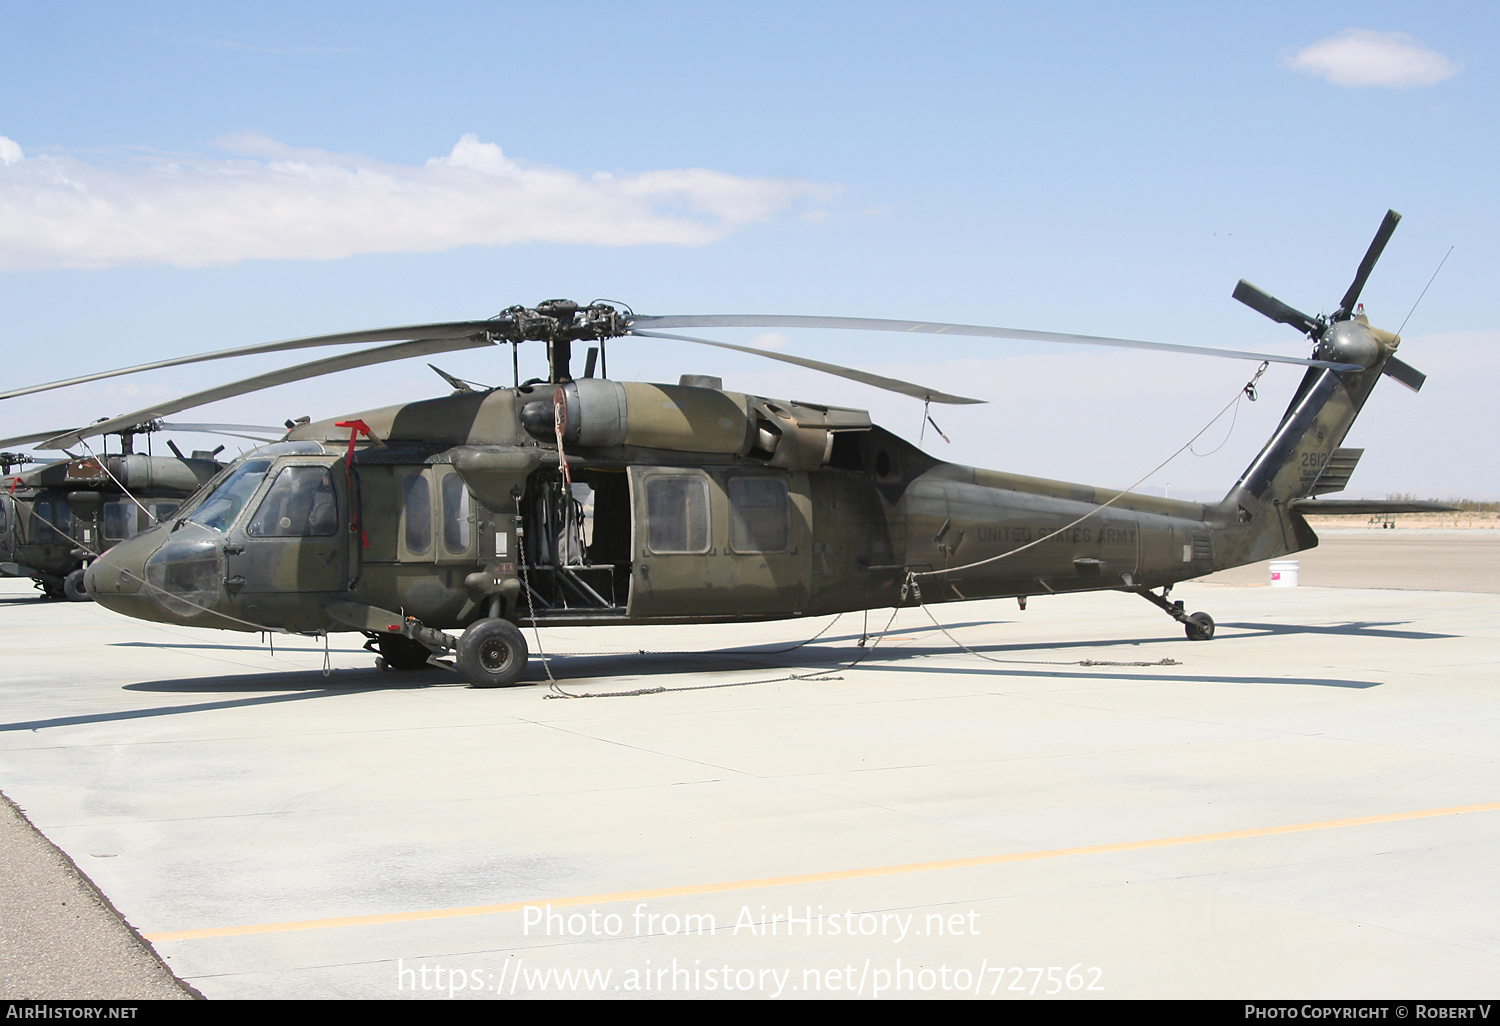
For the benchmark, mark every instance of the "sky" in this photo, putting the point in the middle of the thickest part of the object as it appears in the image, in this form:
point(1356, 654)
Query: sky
point(176, 178)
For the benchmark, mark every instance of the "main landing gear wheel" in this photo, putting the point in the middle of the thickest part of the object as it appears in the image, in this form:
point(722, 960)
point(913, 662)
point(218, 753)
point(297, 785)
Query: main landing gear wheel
point(492, 654)
point(73, 588)
point(401, 652)
point(1199, 627)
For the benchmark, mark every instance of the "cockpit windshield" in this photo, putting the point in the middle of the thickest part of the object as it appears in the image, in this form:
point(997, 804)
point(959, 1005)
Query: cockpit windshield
point(196, 504)
point(225, 502)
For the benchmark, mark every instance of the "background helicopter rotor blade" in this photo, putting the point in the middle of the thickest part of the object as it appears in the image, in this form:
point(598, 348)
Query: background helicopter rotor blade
point(447, 330)
point(348, 361)
point(1270, 306)
point(864, 377)
point(260, 429)
point(935, 328)
point(40, 436)
point(262, 432)
point(1377, 246)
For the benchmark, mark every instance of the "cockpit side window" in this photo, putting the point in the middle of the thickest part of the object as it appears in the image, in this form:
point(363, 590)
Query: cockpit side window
point(224, 504)
point(299, 504)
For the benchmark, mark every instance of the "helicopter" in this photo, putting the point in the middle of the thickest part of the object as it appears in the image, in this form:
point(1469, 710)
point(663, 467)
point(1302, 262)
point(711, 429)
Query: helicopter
point(58, 516)
point(439, 528)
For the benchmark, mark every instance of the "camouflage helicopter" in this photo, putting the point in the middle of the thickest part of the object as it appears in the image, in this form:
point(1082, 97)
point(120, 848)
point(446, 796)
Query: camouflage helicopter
point(580, 500)
point(56, 517)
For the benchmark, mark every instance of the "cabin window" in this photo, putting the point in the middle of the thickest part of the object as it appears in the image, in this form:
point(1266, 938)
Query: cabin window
point(677, 512)
point(119, 520)
point(417, 501)
point(53, 521)
point(759, 519)
point(4, 513)
point(299, 504)
point(457, 528)
point(160, 511)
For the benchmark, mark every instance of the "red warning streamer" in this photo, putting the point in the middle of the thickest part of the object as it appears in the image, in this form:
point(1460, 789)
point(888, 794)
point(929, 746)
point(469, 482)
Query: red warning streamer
point(356, 428)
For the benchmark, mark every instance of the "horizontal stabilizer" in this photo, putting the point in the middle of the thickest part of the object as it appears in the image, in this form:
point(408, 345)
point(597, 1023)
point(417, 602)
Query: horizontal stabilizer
point(1336, 472)
point(1352, 507)
point(1405, 373)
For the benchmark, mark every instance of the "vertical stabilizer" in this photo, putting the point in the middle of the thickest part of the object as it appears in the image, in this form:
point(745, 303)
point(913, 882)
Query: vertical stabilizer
point(1257, 520)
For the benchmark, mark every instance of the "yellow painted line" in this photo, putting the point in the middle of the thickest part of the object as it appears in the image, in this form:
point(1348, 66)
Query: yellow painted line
point(805, 878)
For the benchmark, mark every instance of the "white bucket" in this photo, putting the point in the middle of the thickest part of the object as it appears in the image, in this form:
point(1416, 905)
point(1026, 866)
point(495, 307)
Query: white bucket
point(1284, 573)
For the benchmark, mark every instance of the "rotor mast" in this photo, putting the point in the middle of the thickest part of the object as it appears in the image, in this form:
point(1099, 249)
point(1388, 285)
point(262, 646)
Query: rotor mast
point(560, 323)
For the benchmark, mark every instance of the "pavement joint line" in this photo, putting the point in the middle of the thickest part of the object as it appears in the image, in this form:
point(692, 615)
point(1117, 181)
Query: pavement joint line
point(805, 878)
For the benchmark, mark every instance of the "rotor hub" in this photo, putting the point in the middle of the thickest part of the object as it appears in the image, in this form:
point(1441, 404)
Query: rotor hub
point(561, 320)
point(1349, 342)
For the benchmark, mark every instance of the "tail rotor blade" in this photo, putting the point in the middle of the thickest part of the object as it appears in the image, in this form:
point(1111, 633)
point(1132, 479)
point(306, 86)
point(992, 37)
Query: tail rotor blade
point(1404, 373)
point(1377, 246)
point(1270, 306)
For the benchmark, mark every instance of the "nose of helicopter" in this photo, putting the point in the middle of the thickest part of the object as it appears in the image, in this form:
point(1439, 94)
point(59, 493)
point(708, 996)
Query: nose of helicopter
point(114, 579)
point(157, 576)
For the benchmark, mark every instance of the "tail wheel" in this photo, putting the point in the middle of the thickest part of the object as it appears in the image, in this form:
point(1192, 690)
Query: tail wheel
point(1199, 626)
point(492, 654)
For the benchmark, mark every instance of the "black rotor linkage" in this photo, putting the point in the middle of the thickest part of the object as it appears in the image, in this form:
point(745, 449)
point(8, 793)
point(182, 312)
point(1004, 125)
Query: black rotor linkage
point(14, 459)
point(560, 323)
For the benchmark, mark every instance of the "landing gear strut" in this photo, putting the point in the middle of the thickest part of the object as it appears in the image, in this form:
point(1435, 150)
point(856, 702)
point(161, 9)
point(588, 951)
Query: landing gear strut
point(1199, 626)
point(491, 653)
point(402, 653)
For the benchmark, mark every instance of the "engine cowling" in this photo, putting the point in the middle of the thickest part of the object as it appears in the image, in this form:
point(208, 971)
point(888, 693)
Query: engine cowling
point(594, 413)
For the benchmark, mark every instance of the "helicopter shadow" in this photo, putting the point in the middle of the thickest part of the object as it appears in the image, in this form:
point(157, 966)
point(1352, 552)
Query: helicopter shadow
point(291, 685)
point(1121, 674)
point(831, 653)
point(1354, 628)
point(626, 668)
point(215, 647)
point(818, 652)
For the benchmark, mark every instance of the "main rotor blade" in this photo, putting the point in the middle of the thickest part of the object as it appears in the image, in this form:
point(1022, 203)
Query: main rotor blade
point(1265, 303)
point(934, 328)
point(446, 330)
point(1377, 246)
point(931, 395)
point(385, 354)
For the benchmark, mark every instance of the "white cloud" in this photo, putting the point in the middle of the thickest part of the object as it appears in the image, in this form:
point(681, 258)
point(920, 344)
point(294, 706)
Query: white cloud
point(1361, 57)
point(276, 202)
